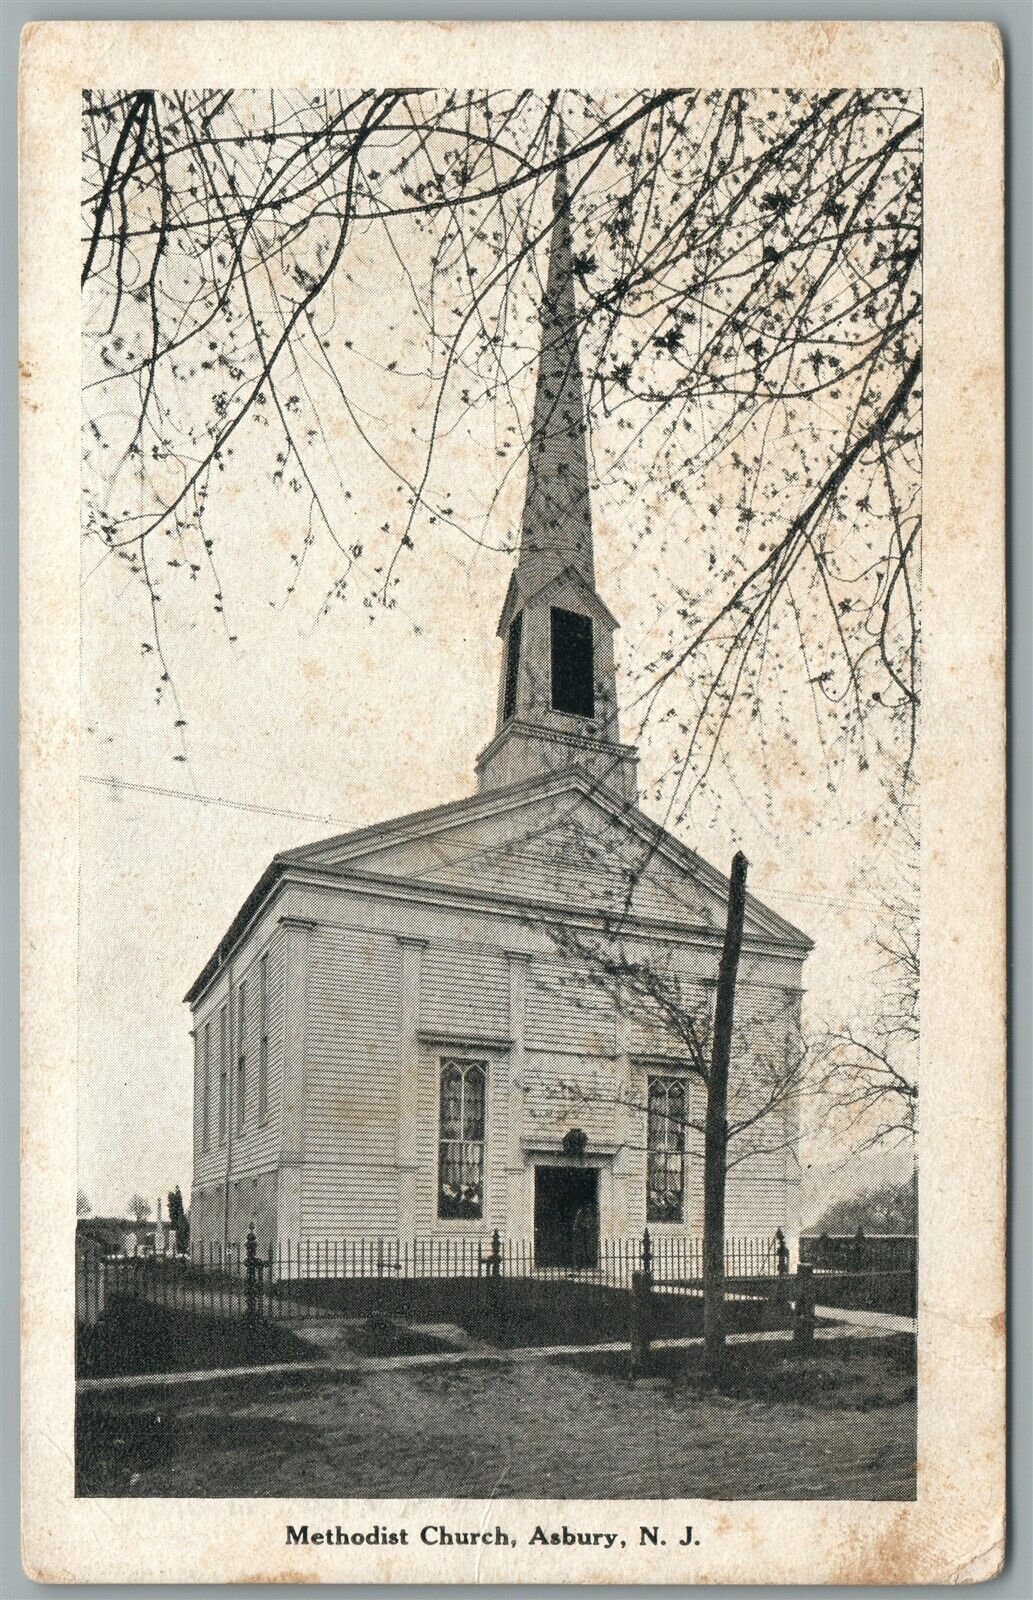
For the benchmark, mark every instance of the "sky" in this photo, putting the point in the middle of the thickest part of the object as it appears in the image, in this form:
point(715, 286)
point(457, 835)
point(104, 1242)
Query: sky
point(301, 720)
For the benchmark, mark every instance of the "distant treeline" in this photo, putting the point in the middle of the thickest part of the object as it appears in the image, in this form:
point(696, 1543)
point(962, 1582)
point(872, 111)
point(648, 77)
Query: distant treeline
point(888, 1208)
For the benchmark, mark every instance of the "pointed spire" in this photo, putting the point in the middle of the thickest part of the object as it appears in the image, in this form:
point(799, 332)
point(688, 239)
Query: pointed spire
point(557, 634)
point(557, 524)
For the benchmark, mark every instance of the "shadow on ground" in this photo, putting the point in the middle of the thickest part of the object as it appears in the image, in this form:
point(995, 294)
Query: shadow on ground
point(835, 1424)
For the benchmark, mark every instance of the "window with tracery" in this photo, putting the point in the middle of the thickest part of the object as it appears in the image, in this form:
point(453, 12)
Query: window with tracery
point(461, 1139)
point(665, 1177)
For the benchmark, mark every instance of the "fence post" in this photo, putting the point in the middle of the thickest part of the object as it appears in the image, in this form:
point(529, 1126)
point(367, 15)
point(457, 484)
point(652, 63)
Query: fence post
point(780, 1292)
point(642, 1309)
point(251, 1258)
point(803, 1326)
point(493, 1261)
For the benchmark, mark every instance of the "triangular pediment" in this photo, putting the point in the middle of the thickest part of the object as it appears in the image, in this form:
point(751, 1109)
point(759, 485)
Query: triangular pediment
point(558, 841)
point(521, 595)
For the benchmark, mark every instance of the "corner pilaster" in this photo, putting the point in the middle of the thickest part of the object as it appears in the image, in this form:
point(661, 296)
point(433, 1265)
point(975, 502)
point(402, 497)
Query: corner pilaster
point(624, 1162)
point(408, 1082)
point(519, 1211)
point(297, 936)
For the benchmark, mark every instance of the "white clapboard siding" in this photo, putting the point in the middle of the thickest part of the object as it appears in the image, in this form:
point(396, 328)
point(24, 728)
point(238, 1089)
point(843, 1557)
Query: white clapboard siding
point(556, 876)
point(209, 1164)
point(567, 1091)
point(765, 1035)
point(428, 1116)
point(254, 1148)
point(351, 1047)
point(562, 850)
point(771, 971)
point(257, 1147)
point(654, 1030)
point(568, 1009)
point(464, 988)
point(198, 1044)
point(341, 1200)
point(757, 1188)
point(755, 1198)
point(204, 1161)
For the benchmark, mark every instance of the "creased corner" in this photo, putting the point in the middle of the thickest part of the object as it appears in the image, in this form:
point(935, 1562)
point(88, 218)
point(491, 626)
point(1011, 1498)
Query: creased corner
point(981, 1568)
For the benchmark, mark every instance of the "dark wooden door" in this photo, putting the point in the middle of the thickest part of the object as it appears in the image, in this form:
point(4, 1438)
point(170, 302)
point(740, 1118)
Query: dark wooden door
point(566, 1216)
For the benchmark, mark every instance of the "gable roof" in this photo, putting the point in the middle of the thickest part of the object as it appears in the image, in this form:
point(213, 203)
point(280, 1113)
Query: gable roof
point(556, 842)
point(522, 592)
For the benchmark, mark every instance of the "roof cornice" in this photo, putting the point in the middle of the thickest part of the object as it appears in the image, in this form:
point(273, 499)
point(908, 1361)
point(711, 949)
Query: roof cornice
point(452, 896)
point(782, 937)
point(540, 731)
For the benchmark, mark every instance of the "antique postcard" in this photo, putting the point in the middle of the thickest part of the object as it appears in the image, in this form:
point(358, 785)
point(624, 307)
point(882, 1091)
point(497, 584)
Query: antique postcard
point(513, 802)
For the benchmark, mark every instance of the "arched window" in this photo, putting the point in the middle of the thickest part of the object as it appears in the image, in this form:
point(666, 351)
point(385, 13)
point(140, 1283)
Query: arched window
point(461, 1139)
point(665, 1178)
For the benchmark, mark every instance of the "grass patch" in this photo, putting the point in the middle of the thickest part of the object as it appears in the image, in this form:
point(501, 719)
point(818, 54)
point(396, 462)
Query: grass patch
point(835, 1425)
point(136, 1337)
point(383, 1337)
point(117, 1445)
point(525, 1312)
point(837, 1374)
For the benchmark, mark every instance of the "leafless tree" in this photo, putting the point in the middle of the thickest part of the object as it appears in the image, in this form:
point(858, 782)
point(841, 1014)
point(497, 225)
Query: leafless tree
point(266, 275)
point(139, 1208)
point(751, 1074)
point(679, 1014)
point(866, 1069)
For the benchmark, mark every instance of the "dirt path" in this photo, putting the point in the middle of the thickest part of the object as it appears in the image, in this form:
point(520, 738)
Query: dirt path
point(549, 1429)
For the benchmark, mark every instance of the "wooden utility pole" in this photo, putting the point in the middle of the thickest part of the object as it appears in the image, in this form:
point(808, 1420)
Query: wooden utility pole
point(715, 1138)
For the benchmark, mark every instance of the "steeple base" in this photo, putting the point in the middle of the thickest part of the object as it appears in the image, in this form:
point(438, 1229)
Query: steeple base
point(525, 750)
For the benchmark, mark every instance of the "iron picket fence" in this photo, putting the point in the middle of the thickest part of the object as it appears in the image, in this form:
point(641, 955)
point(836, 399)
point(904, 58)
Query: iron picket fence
point(297, 1279)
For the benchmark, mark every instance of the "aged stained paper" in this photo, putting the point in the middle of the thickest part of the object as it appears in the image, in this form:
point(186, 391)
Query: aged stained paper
point(426, 983)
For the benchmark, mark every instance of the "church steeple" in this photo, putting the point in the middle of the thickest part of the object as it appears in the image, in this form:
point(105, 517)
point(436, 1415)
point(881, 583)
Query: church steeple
point(558, 694)
point(556, 531)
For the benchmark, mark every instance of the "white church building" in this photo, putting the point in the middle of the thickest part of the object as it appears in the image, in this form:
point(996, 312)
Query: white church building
point(401, 1035)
